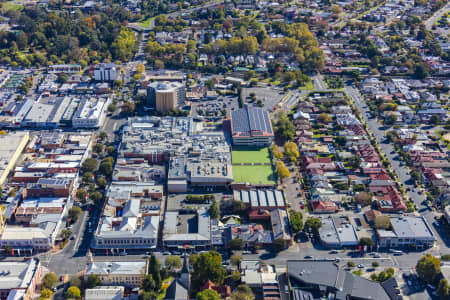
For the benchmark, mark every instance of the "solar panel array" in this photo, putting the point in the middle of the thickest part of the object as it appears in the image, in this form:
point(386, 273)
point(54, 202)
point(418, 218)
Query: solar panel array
point(254, 120)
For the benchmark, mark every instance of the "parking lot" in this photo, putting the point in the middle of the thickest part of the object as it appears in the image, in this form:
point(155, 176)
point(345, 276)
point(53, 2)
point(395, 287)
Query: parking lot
point(178, 201)
point(268, 96)
point(215, 108)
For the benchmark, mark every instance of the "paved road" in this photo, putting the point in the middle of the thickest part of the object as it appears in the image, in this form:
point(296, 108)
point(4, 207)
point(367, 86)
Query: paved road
point(401, 171)
point(429, 23)
point(319, 84)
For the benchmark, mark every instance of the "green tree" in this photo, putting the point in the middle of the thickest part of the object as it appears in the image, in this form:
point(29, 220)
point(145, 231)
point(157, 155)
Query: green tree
point(101, 182)
point(428, 268)
point(208, 295)
point(242, 292)
point(112, 108)
point(92, 281)
point(282, 170)
point(87, 177)
point(106, 168)
point(236, 276)
point(391, 119)
point(366, 241)
point(284, 128)
point(81, 195)
point(74, 213)
point(122, 46)
point(96, 197)
point(76, 281)
point(46, 293)
point(49, 281)
point(236, 260)
point(62, 78)
point(375, 264)
point(238, 207)
point(420, 71)
point(354, 162)
point(103, 135)
point(97, 148)
point(443, 289)
point(207, 266)
point(89, 165)
point(435, 120)
point(325, 118)
point(66, 233)
point(214, 210)
point(313, 224)
point(149, 284)
point(73, 293)
point(280, 244)
point(363, 198)
point(154, 268)
point(149, 295)
point(291, 149)
point(296, 220)
point(173, 262)
point(350, 264)
point(236, 244)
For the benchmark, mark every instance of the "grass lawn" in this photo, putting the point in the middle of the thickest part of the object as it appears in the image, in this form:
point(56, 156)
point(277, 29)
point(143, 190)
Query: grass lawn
point(11, 5)
point(146, 22)
point(250, 155)
point(254, 174)
point(309, 86)
point(164, 286)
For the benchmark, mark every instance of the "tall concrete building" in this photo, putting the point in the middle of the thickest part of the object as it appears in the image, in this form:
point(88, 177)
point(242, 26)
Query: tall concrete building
point(106, 72)
point(165, 96)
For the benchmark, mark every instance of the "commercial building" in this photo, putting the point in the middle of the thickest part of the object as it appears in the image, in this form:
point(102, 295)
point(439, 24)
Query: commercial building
point(251, 127)
point(187, 230)
point(130, 218)
point(50, 169)
point(337, 232)
point(11, 146)
point(106, 72)
point(326, 280)
point(91, 113)
point(196, 156)
point(64, 69)
point(19, 279)
point(105, 293)
point(26, 239)
point(164, 96)
point(407, 232)
point(123, 273)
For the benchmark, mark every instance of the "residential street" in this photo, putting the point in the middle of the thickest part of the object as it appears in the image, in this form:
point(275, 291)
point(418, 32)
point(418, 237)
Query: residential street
point(401, 171)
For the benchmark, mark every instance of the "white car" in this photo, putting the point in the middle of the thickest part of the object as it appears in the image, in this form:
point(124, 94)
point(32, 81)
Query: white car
point(361, 266)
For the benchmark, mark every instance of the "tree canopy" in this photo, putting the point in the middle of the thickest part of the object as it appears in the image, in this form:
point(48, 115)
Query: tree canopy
point(428, 268)
point(208, 294)
point(207, 266)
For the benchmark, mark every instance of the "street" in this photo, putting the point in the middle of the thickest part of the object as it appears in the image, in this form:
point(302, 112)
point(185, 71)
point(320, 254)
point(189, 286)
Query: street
point(401, 171)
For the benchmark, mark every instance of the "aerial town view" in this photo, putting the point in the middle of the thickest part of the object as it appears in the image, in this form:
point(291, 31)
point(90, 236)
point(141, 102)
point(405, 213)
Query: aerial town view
point(225, 149)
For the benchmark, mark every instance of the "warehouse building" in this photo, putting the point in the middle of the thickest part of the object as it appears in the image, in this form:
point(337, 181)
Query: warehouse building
point(11, 146)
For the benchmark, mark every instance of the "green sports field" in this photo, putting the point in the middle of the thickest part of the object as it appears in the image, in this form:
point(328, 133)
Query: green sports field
point(254, 174)
point(250, 155)
point(261, 173)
